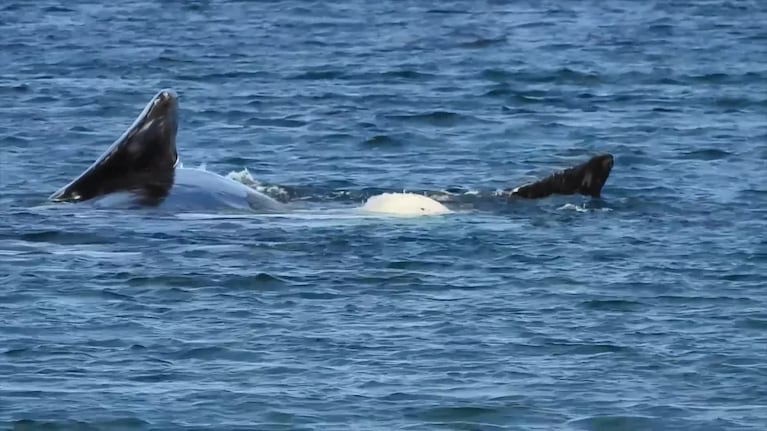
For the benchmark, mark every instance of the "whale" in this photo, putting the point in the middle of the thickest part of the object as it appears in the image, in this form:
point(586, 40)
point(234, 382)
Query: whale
point(142, 169)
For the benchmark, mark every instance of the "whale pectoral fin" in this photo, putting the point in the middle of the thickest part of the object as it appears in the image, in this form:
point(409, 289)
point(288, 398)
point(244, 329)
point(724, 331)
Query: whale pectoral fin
point(141, 162)
point(587, 179)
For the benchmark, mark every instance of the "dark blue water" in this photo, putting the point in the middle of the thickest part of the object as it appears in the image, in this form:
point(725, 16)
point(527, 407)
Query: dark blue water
point(644, 310)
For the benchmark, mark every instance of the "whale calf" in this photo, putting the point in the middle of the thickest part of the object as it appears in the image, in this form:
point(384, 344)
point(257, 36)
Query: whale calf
point(141, 168)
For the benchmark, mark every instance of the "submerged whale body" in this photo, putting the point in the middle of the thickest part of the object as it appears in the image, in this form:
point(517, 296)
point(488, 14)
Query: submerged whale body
point(141, 169)
point(587, 179)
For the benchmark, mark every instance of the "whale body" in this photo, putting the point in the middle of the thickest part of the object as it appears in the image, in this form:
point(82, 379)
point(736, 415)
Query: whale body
point(403, 204)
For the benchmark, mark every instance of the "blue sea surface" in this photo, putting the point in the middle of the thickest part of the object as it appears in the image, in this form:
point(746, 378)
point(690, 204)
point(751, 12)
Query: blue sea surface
point(643, 310)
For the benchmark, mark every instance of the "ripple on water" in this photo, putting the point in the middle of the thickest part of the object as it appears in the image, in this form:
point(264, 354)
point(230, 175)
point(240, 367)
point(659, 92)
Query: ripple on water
point(435, 118)
point(127, 424)
point(383, 141)
point(609, 423)
point(617, 305)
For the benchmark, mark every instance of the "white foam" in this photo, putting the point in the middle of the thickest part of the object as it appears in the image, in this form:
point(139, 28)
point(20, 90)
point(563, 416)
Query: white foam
point(573, 207)
point(404, 204)
point(244, 176)
point(581, 208)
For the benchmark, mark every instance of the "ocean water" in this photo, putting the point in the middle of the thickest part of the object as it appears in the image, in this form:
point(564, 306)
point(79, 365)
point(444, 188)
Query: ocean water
point(643, 310)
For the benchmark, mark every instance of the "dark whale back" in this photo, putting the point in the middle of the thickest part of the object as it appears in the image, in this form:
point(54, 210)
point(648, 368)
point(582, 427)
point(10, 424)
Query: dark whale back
point(141, 161)
point(587, 179)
